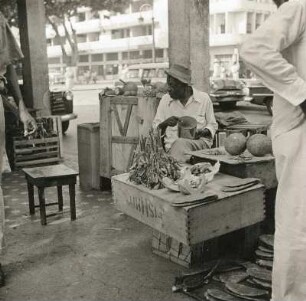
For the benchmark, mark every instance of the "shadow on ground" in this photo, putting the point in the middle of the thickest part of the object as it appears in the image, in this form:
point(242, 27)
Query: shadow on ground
point(103, 255)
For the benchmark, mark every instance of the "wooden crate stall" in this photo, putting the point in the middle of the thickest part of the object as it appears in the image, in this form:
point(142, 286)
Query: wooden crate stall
point(44, 147)
point(184, 229)
point(123, 119)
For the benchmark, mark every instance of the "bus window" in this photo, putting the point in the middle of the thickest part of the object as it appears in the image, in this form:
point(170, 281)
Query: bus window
point(161, 73)
point(133, 73)
point(149, 73)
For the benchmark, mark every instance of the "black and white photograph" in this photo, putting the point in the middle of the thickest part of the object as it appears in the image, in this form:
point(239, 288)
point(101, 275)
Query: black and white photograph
point(152, 150)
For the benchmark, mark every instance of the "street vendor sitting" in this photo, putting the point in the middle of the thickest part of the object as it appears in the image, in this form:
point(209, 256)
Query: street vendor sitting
point(184, 100)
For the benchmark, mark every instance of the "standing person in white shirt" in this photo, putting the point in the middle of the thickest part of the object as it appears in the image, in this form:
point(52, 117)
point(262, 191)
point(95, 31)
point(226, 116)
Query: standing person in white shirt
point(183, 100)
point(9, 52)
point(276, 53)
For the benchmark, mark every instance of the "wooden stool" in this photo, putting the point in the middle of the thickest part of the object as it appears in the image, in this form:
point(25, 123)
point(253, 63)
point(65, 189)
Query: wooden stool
point(48, 176)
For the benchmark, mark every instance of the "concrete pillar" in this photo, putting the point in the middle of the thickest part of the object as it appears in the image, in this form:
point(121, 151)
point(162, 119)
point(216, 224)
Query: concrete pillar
point(32, 23)
point(189, 38)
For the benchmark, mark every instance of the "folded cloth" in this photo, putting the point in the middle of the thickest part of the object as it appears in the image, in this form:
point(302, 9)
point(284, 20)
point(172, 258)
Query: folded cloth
point(189, 200)
point(226, 119)
point(241, 184)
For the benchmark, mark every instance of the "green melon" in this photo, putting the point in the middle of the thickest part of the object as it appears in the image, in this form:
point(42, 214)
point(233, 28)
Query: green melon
point(235, 144)
point(259, 145)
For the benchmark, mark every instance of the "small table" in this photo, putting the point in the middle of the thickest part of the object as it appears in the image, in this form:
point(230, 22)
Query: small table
point(49, 176)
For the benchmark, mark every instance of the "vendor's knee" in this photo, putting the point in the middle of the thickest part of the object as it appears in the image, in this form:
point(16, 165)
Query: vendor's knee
point(179, 143)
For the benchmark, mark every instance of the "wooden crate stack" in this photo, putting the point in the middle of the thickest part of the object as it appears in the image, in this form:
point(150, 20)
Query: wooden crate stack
point(29, 151)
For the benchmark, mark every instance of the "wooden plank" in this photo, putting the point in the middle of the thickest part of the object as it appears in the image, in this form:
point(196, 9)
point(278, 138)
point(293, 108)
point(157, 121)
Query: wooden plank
point(125, 140)
point(119, 123)
point(124, 100)
point(35, 149)
point(189, 38)
point(146, 110)
point(36, 162)
point(179, 32)
point(127, 119)
point(137, 202)
point(265, 171)
point(31, 16)
point(188, 224)
point(199, 43)
point(55, 171)
point(105, 137)
point(20, 158)
point(230, 214)
point(224, 157)
point(35, 141)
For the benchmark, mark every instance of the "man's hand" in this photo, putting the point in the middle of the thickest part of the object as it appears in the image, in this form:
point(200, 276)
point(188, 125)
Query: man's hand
point(171, 121)
point(28, 121)
point(203, 133)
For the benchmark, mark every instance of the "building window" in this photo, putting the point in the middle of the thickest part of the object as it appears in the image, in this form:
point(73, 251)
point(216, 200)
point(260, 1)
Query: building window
point(117, 34)
point(249, 23)
point(147, 54)
point(82, 70)
point(81, 38)
point(125, 55)
point(97, 57)
point(98, 68)
point(134, 55)
point(84, 58)
point(120, 33)
point(141, 30)
point(112, 56)
point(54, 60)
point(220, 23)
point(111, 69)
point(94, 36)
point(49, 42)
point(95, 15)
point(258, 20)
point(159, 53)
point(81, 17)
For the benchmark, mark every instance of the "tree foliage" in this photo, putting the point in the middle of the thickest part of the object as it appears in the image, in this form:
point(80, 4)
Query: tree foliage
point(59, 13)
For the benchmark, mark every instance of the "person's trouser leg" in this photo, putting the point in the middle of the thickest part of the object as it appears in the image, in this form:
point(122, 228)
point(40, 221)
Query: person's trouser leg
point(181, 146)
point(2, 148)
point(289, 268)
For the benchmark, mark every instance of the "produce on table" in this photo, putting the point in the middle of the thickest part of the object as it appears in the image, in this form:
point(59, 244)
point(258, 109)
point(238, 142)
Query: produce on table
point(259, 145)
point(235, 144)
point(108, 92)
point(129, 88)
point(193, 179)
point(151, 163)
point(157, 89)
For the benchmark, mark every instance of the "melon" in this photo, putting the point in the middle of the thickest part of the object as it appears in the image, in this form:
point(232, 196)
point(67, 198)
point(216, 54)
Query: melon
point(259, 145)
point(235, 144)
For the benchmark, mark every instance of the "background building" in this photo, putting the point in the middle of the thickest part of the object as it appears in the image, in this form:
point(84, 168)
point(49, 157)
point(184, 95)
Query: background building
point(109, 42)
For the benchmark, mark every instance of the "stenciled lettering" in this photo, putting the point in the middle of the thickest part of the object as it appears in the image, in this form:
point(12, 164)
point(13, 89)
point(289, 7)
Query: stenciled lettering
point(144, 206)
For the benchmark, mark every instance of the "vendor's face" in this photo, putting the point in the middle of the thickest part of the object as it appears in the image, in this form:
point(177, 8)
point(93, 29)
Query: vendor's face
point(176, 88)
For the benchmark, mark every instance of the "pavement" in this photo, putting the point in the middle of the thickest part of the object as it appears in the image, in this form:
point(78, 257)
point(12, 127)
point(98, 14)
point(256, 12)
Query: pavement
point(103, 255)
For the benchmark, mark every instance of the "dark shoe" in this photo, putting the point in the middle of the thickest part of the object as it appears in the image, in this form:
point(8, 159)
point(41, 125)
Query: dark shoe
point(2, 277)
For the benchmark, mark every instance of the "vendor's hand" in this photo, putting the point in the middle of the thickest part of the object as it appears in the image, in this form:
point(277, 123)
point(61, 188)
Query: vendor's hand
point(171, 121)
point(28, 121)
point(203, 133)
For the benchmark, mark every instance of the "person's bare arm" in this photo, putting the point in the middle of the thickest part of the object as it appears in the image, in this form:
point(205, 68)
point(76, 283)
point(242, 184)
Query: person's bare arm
point(13, 86)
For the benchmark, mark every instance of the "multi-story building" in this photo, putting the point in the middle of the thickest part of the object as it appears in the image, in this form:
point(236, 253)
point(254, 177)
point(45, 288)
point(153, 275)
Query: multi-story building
point(108, 42)
point(230, 22)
